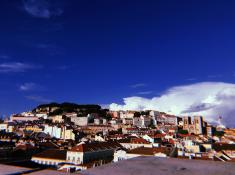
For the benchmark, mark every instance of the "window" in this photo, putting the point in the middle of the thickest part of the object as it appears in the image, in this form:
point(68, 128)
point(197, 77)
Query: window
point(120, 158)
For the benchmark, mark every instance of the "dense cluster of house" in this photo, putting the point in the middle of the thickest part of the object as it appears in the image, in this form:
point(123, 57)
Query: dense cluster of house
point(72, 142)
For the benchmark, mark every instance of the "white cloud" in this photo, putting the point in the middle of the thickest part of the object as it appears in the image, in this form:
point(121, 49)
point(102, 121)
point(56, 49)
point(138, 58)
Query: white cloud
point(28, 86)
point(210, 99)
point(16, 67)
point(41, 8)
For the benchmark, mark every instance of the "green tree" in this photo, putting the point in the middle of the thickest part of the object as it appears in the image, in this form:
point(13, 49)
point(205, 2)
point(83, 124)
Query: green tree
point(183, 131)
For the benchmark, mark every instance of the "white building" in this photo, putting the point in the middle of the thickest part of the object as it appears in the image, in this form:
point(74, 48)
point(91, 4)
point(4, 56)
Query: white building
point(127, 114)
point(7, 127)
point(20, 118)
point(50, 157)
point(142, 121)
point(122, 154)
point(42, 115)
point(97, 121)
point(79, 121)
point(53, 131)
point(154, 113)
point(88, 152)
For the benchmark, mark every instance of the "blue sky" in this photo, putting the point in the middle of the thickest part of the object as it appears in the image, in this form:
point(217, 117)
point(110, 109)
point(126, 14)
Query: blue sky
point(103, 51)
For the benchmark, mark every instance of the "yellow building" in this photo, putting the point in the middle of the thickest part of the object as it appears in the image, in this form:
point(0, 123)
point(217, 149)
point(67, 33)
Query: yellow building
point(33, 128)
point(67, 133)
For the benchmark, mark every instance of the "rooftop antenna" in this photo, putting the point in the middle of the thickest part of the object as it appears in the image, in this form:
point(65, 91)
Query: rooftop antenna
point(220, 120)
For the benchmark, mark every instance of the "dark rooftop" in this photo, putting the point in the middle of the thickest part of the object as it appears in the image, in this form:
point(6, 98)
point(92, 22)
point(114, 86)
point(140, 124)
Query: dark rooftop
point(149, 151)
point(96, 146)
point(52, 154)
point(223, 146)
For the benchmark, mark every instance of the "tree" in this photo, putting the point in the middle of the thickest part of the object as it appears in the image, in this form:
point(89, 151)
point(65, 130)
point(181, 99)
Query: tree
point(108, 117)
point(137, 114)
point(219, 133)
point(183, 132)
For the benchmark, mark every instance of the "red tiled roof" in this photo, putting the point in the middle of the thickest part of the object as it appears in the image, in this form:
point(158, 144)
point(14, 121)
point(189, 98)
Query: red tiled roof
point(149, 151)
point(52, 154)
point(139, 140)
point(171, 141)
point(159, 135)
point(223, 146)
point(24, 147)
point(91, 147)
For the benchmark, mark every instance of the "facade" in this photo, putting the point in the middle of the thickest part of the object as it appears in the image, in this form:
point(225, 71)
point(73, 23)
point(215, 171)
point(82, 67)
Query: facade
point(60, 132)
point(130, 144)
point(166, 119)
point(7, 127)
point(127, 114)
point(42, 115)
point(67, 133)
point(127, 121)
point(20, 118)
point(115, 114)
point(57, 119)
point(51, 157)
point(154, 113)
point(198, 125)
point(97, 121)
point(122, 154)
point(187, 122)
point(210, 130)
point(88, 152)
point(53, 131)
point(33, 128)
point(142, 121)
point(79, 121)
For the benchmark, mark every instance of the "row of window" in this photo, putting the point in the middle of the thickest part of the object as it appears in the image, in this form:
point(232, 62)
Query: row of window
point(73, 159)
point(46, 162)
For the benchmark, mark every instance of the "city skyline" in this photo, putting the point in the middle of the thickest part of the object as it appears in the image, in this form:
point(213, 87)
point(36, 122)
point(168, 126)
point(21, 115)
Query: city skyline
point(104, 52)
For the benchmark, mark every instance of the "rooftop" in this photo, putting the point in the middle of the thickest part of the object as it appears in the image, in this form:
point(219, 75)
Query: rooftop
point(52, 154)
point(15, 170)
point(90, 147)
point(5, 169)
point(163, 166)
point(149, 151)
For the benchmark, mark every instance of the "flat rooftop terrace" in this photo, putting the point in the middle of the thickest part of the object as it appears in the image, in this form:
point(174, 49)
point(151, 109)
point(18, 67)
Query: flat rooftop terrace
point(163, 166)
point(140, 166)
point(11, 170)
point(15, 170)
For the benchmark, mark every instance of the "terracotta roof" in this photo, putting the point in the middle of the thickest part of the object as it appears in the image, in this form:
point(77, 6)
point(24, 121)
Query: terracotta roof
point(223, 146)
point(26, 146)
point(159, 135)
point(52, 154)
point(139, 140)
point(92, 147)
point(47, 145)
point(171, 141)
point(149, 151)
point(125, 140)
